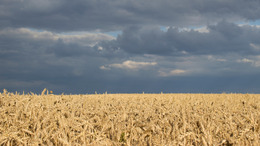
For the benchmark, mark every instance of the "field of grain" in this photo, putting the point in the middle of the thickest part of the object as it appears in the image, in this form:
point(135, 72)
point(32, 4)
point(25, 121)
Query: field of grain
point(129, 119)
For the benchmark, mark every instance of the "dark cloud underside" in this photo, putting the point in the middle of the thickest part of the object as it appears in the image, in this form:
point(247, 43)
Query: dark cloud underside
point(168, 45)
point(222, 38)
point(64, 15)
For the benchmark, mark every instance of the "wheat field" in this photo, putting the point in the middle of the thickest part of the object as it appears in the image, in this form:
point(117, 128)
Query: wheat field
point(129, 119)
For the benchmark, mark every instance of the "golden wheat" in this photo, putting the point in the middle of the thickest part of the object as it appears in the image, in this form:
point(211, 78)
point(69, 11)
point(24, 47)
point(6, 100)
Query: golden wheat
point(129, 119)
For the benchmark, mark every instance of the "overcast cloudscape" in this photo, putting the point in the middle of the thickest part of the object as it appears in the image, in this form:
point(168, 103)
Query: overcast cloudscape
point(130, 46)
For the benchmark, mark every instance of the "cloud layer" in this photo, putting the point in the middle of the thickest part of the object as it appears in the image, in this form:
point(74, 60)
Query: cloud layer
point(130, 46)
point(221, 38)
point(64, 15)
point(131, 65)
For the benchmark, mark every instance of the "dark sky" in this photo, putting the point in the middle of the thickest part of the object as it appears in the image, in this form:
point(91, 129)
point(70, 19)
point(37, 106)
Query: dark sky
point(130, 46)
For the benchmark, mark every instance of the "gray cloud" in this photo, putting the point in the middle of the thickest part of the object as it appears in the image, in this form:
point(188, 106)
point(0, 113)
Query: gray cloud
point(65, 46)
point(222, 38)
point(64, 15)
point(32, 61)
point(169, 61)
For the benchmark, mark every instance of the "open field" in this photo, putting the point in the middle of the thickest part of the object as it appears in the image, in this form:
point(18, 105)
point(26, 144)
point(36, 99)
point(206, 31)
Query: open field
point(130, 119)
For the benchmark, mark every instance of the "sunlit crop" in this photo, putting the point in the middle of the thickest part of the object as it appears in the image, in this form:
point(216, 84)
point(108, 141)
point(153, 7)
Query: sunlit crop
point(129, 119)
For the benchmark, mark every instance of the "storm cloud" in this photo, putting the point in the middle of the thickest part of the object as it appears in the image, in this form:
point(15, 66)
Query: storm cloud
point(222, 38)
point(65, 15)
point(130, 46)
